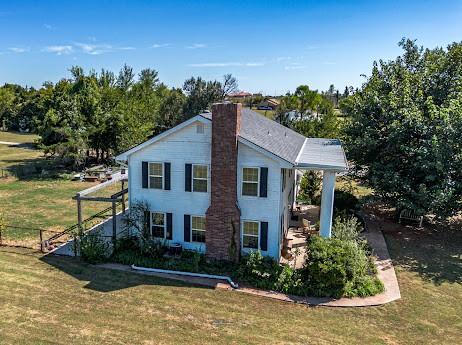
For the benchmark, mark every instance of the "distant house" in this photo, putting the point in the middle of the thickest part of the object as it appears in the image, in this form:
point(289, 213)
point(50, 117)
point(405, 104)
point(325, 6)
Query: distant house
point(240, 94)
point(269, 104)
point(224, 183)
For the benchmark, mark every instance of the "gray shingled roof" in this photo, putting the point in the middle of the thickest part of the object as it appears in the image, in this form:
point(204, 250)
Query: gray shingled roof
point(288, 144)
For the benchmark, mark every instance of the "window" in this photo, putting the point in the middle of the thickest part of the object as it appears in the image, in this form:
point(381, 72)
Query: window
point(200, 128)
point(250, 181)
point(200, 178)
point(156, 172)
point(250, 232)
point(198, 228)
point(158, 224)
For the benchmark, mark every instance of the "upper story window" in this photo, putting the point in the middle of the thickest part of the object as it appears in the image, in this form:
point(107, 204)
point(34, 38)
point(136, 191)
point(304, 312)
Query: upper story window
point(156, 175)
point(200, 178)
point(158, 224)
point(250, 181)
point(198, 229)
point(200, 128)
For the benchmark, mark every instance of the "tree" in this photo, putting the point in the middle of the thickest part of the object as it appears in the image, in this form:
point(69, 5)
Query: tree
point(201, 94)
point(229, 85)
point(405, 129)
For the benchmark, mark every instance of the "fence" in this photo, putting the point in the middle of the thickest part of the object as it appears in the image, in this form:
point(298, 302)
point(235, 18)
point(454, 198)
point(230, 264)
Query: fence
point(45, 238)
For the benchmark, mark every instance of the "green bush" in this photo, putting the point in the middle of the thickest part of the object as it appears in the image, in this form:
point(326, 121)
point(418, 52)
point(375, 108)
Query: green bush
point(93, 248)
point(336, 268)
point(345, 201)
point(347, 229)
point(310, 187)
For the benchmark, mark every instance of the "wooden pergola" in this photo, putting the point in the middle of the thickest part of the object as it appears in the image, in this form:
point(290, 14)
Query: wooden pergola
point(84, 195)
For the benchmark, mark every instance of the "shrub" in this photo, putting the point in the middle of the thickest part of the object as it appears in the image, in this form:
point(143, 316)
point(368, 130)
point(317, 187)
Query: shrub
point(345, 201)
point(93, 248)
point(347, 229)
point(310, 186)
point(258, 270)
point(336, 268)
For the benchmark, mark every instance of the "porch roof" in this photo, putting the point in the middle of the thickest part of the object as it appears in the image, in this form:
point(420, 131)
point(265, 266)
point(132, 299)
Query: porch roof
point(322, 154)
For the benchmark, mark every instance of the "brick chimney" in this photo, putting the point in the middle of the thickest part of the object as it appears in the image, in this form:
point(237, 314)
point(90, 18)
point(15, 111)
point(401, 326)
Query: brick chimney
point(223, 215)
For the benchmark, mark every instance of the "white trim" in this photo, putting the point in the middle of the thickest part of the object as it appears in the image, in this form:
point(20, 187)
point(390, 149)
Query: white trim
point(191, 228)
point(151, 224)
point(163, 175)
point(199, 178)
point(242, 234)
point(283, 162)
point(243, 181)
point(301, 150)
point(124, 156)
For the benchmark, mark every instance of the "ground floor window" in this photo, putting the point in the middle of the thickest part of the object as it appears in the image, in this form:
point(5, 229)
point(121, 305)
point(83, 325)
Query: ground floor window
point(198, 229)
point(158, 224)
point(250, 234)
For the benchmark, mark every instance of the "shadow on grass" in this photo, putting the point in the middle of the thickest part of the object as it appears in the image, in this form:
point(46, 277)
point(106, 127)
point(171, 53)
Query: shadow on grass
point(39, 168)
point(435, 253)
point(107, 280)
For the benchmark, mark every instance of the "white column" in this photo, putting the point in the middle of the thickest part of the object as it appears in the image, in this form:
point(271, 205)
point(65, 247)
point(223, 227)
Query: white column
point(327, 203)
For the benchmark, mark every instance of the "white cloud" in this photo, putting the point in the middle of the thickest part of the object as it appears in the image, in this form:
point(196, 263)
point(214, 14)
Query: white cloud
point(59, 50)
point(18, 50)
point(294, 66)
point(98, 49)
point(161, 45)
point(48, 26)
point(283, 58)
point(196, 46)
point(227, 64)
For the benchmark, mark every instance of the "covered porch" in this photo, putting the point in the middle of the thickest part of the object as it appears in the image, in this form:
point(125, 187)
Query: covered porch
point(325, 156)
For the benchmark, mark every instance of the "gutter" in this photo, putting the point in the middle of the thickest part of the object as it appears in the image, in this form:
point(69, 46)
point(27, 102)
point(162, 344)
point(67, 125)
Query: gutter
point(187, 274)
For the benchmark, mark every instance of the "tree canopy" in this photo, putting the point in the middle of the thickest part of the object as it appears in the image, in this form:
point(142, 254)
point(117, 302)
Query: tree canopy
point(406, 127)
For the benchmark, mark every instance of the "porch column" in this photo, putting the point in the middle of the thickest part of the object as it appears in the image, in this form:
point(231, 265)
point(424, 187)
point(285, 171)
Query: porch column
point(327, 203)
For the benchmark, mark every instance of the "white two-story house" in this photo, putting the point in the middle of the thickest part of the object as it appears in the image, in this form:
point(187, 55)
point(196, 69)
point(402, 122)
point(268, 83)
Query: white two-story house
point(223, 182)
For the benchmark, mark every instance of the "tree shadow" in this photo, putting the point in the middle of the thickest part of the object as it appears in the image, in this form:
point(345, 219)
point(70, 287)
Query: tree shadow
point(434, 252)
point(108, 280)
point(38, 168)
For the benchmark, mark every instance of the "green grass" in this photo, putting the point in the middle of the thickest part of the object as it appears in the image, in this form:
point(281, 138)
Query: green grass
point(98, 306)
point(17, 137)
point(36, 202)
point(267, 113)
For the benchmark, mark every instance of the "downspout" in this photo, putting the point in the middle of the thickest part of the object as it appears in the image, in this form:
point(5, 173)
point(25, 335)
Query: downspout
point(187, 274)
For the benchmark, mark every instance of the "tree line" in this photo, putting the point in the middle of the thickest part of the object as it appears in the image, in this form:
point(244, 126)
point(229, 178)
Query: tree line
point(92, 116)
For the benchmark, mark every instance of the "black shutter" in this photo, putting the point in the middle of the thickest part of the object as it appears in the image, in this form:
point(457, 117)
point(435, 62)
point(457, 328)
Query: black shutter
point(167, 176)
point(187, 177)
point(264, 236)
point(144, 170)
point(187, 228)
point(169, 234)
point(263, 182)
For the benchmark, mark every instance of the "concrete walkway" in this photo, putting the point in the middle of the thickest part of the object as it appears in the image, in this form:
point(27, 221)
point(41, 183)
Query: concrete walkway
point(386, 274)
point(9, 143)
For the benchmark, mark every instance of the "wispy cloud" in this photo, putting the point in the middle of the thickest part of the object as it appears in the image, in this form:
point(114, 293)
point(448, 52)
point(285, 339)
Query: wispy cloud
point(160, 45)
point(48, 26)
point(283, 58)
point(196, 46)
point(329, 63)
point(294, 66)
point(227, 64)
point(19, 50)
point(98, 49)
point(59, 50)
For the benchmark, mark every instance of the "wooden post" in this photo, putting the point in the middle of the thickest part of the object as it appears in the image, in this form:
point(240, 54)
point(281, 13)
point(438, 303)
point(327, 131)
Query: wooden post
point(79, 214)
point(123, 197)
point(42, 249)
point(114, 224)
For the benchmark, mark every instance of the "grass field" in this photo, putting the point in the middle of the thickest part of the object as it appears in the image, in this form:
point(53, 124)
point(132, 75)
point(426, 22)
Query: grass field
point(98, 306)
point(35, 202)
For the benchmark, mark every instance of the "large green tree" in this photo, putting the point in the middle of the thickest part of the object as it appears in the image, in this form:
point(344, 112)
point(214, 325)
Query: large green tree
point(406, 128)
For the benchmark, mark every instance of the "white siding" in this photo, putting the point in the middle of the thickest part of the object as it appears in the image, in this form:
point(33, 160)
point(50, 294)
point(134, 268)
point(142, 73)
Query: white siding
point(188, 146)
point(179, 148)
point(257, 208)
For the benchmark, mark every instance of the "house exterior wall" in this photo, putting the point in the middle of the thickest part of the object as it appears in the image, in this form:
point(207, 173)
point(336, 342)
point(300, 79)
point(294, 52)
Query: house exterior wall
point(179, 148)
point(187, 146)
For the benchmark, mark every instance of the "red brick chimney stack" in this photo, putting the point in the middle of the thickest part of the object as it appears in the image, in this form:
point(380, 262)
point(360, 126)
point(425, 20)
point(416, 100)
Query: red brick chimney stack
point(223, 215)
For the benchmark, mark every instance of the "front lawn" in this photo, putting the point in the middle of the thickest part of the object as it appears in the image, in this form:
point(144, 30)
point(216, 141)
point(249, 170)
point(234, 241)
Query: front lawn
point(98, 306)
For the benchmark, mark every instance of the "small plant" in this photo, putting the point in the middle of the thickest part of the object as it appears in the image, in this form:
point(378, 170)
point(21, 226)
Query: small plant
point(93, 248)
point(347, 229)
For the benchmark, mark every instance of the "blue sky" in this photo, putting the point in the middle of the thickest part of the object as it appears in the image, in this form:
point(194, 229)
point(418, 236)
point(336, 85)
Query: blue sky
point(270, 46)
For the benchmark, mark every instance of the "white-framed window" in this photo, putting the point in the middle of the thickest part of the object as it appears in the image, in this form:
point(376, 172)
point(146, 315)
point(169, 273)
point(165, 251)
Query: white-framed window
point(200, 178)
point(156, 175)
point(250, 234)
point(158, 224)
point(250, 181)
point(198, 229)
point(200, 128)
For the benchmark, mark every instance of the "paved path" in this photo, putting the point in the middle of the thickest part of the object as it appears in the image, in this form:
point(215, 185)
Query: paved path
point(386, 274)
point(9, 143)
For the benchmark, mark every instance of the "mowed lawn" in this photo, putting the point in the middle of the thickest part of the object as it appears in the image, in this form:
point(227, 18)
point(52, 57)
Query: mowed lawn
point(44, 203)
point(62, 301)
